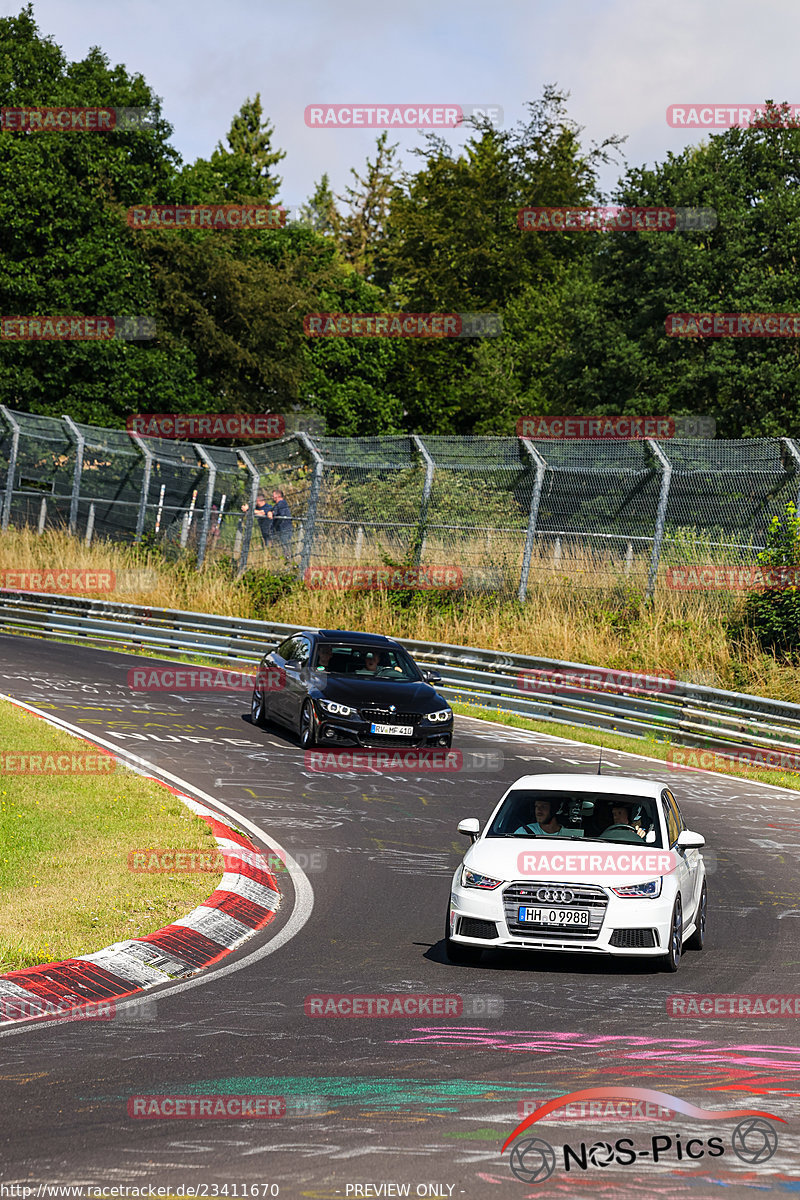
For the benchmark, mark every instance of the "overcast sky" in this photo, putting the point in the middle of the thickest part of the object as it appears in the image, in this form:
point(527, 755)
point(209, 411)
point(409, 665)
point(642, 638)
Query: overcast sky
point(623, 61)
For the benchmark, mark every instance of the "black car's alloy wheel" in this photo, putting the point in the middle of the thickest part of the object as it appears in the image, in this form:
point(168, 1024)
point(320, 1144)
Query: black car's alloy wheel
point(308, 726)
point(672, 959)
point(257, 715)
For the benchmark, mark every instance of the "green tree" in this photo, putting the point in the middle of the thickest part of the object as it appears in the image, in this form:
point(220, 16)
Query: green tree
point(320, 212)
point(244, 170)
point(65, 247)
point(620, 358)
point(362, 226)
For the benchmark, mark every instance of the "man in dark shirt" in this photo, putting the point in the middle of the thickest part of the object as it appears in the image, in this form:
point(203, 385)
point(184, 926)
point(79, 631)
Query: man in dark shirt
point(281, 519)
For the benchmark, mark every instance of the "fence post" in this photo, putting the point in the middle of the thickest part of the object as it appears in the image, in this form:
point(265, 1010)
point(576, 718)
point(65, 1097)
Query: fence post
point(255, 480)
point(313, 501)
point(430, 467)
point(795, 453)
point(80, 443)
point(541, 467)
point(12, 466)
point(148, 469)
point(90, 525)
point(661, 515)
point(212, 479)
point(42, 515)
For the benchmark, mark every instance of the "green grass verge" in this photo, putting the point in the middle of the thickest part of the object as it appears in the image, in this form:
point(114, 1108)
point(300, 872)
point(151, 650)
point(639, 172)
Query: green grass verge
point(652, 747)
point(65, 883)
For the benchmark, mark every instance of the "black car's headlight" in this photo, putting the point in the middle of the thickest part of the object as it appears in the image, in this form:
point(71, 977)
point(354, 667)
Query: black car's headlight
point(337, 710)
point(444, 714)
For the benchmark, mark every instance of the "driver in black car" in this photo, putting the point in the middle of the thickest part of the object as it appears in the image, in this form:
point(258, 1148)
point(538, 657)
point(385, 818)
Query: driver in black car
point(324, 652)
point(372, 662)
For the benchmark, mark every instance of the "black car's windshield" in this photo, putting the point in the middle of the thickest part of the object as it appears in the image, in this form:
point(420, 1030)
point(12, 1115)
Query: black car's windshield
point(387, 663)
point(533, 813)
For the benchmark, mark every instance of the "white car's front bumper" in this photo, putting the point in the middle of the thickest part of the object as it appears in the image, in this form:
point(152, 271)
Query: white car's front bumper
point(637, 927)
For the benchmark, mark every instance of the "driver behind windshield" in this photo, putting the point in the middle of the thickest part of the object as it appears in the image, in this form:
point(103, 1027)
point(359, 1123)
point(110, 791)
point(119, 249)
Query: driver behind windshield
point(546, 820)
point(324, 652)
point(622, 814)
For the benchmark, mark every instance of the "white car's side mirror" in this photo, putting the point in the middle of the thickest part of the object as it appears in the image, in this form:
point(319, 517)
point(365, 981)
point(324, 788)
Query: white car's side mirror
point(471, 826)
point(687, 840)
point(650, 837)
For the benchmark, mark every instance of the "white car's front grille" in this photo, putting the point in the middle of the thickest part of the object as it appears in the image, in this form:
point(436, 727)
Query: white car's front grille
point(549, 895)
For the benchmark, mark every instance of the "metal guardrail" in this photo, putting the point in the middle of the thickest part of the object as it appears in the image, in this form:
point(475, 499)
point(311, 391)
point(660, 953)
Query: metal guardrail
point(686, 713)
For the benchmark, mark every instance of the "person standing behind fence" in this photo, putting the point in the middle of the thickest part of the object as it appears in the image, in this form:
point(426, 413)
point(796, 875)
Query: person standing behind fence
point(281, 519)
point(261, 515)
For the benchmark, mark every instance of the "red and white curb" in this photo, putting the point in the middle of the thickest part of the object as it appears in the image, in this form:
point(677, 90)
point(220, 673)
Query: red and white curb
point(245, 901)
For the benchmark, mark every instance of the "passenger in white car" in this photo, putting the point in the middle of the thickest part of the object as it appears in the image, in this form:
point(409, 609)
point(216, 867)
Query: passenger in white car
point(546, 820)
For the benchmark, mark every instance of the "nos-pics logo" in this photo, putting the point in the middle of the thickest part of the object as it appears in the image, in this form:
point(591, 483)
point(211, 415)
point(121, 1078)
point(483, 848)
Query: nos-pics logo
point(533, 1160)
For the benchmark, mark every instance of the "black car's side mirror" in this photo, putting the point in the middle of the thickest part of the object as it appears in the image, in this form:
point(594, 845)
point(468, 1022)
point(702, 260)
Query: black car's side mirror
point(431, 677)
point(293, 663)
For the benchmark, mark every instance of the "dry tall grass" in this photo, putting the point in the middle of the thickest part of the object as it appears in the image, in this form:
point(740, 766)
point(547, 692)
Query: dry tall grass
point(579, 609)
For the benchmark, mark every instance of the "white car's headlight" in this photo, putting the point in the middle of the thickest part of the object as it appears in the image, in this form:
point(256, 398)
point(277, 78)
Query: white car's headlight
point(637, 891)
point(444, 714)
point(472, 879)
point(339, 710)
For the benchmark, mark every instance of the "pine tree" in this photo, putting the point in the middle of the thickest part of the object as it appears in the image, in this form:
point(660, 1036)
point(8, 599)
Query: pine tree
point(250, 137)
point(321, 213)
point(363, 226)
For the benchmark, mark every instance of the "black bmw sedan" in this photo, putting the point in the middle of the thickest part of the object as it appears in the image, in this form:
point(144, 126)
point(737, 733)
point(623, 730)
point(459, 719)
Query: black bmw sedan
point(334, 687)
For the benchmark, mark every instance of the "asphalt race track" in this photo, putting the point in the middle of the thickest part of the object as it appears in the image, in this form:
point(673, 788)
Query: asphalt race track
point(423, 1102)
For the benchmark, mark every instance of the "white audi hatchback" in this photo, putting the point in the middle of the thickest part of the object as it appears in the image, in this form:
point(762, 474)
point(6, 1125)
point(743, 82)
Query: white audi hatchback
point(584, 864)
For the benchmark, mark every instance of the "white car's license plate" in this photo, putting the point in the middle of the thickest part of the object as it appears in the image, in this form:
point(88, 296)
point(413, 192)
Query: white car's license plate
point(397, 730)
point(554, 916)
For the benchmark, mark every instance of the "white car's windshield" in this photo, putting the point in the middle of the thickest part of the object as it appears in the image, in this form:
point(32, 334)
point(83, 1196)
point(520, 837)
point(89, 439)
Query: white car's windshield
point(599, 816)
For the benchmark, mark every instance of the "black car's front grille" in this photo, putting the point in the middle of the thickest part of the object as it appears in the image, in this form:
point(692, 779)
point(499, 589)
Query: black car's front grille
point(474, 927)
point(584, 895)
point(633, 939)
point(383, 716)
